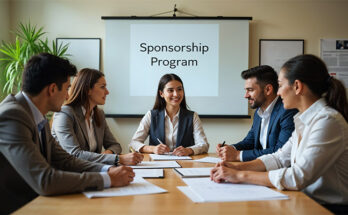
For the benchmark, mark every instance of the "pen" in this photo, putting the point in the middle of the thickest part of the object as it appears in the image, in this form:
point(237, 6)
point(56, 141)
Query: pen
point(131, 149)
point(223, 144)
point(166, 153)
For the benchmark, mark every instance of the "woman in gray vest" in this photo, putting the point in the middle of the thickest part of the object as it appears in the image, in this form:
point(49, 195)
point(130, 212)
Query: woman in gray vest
point(80, 127)
point(171, 127)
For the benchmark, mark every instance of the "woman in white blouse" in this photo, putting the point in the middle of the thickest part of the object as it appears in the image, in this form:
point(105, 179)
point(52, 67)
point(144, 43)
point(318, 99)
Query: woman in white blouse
point(315, 158)
point(171, 127)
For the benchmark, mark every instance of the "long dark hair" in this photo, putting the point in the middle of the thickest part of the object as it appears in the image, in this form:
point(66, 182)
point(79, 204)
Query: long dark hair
point(160, 103)
point(78, 92)
point(312, 71)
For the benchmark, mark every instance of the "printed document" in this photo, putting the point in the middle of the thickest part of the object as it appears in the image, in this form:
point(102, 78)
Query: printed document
point(149, 173)
point(209, 160)
point(205, 190)
point(156, 157)
point(194, 172)
point(138, 187)
point(156, 165)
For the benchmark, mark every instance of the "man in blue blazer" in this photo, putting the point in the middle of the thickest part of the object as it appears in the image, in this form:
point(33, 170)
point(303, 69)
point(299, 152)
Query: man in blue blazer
point(272, 125)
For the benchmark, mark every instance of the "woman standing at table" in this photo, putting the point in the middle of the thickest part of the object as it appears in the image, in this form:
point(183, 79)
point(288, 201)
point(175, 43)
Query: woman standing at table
point(80, 127)
point(171, 127)
point(315, 158)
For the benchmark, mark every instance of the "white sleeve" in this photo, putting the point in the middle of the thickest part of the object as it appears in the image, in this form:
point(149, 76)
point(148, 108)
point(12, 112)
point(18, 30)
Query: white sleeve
point(142, 132)
point(318, 152)
point(201, 142)
point(282, 157)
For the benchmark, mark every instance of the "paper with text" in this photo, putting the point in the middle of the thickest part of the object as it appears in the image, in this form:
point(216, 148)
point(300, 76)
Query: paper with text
point(210, 191)
point(194, 172)
point(156, 157)
point(156, 165)
point(190, 194)
point(209, 160)
point(149, 173)
point(138, 187)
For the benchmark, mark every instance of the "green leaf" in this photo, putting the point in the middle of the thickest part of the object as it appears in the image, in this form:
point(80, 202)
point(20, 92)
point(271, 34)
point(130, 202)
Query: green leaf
point(30, 40)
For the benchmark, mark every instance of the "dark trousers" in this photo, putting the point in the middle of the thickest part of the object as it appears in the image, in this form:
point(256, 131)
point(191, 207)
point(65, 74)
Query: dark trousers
point(337, 209)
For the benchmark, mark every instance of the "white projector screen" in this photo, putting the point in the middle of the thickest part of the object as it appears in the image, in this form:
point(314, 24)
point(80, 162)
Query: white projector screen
point(207, 53)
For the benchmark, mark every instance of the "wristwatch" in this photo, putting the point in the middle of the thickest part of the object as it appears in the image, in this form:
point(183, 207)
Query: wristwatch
point(117, 160)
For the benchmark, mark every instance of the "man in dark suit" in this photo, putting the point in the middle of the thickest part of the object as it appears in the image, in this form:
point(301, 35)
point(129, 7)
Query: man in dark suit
point(32, 163)
point(272, 125)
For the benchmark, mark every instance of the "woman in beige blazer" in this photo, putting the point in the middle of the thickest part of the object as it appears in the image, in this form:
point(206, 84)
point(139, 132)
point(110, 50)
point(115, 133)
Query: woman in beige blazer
point(80, 127)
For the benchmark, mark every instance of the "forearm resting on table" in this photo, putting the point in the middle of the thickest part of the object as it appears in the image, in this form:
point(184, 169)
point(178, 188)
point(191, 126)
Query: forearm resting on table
point(252, 177)
point(147, 149)
point(254, 165)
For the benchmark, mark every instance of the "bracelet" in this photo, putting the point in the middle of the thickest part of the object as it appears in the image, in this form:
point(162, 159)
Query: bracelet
point(117, 160)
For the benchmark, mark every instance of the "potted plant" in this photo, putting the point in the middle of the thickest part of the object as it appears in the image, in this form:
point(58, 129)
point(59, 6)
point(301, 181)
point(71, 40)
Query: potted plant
point(29, 41)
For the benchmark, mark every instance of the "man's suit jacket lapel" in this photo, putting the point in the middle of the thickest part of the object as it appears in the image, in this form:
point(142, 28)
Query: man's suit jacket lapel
point(274, 115)
point(257, 121)
point(81, 123)
point(22, 101)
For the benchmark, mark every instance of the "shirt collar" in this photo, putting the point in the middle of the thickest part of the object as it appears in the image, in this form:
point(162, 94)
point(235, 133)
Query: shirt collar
point(269, 109)
point(166, 114)
point(307, 116)
point(38, 117)
point(84, 112)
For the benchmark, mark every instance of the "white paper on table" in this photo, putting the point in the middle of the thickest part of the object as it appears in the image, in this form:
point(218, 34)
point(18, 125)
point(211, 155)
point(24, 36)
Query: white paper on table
point(138, 187)
point(156, 165)
point(194, 172)
point(149, 173)
point(156, 157)
point(190, 194)
point(210, 191)
point(209, 160)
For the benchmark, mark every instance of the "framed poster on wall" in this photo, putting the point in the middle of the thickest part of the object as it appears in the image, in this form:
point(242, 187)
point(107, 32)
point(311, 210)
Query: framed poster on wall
point(275, 52)
point(83, 52)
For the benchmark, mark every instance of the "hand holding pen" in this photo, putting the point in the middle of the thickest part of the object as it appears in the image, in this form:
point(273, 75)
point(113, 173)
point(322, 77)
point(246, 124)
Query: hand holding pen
point(219, 147)
point(161, 148)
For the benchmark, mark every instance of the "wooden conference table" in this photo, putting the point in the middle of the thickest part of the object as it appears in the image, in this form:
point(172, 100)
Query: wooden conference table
point(172, 202)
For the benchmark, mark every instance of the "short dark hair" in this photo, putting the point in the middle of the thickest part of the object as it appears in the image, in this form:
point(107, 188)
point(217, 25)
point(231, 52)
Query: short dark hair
point(264, 75)
point(44, 69)
point(160, 103)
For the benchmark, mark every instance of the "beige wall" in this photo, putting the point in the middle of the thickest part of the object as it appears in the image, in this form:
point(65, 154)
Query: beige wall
point(310, 20)
point(4, 34)
point(4, 20)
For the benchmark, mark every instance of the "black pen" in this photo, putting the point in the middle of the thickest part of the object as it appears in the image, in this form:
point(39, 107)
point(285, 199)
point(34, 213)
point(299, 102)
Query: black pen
point(223, 144)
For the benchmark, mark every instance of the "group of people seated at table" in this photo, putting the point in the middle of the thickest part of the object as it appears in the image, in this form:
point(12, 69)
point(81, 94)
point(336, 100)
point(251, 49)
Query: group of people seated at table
point(298, 139)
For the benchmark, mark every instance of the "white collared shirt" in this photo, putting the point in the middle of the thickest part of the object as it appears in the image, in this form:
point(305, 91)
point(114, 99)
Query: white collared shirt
point(171, 131)
point(315, 158)
point(265, 118)
point(92, 142)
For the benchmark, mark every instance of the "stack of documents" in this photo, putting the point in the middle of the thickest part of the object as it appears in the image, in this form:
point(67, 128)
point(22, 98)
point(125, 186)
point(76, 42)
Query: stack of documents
point(156, 165)
point(193, 172)
point(138, 187)
point(205, 190)
point(156, 157)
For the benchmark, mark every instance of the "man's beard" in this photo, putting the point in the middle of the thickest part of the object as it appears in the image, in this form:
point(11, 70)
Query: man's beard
point(258, 103)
